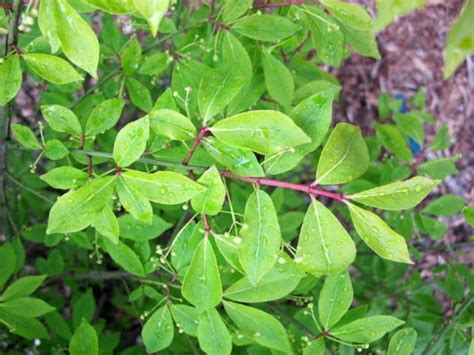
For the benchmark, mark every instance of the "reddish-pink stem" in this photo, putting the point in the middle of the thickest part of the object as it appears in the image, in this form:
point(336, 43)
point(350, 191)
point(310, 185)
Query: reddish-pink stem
point(309, 189)
point(202, 133)
point(272, 5)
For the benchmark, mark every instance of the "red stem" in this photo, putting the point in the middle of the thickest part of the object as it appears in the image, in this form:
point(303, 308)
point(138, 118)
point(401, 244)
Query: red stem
point(311, 190)
point(202, 133)
point(272, 5)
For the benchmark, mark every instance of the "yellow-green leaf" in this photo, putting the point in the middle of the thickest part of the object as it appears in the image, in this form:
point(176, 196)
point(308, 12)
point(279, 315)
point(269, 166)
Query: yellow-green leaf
point(211, 200)
point(261, 237)
point(213, 335)
point(153, 11)
point(335, 299)
point(62, 119)
point(202, 283)
point(158, 331)
point(131, 142)
point(164, 187)
point(10, 79)
point(383, 240)
point(51, 68)
point(324, 246)
point(78, 41)
point(345, 156)
point(263, 131)
point(25, 136)
point(397, 195)
point(172, 124)
point(75, 210)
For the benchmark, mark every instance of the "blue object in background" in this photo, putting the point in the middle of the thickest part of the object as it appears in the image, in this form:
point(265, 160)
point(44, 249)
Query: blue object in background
point(404, 107)
point(414, 146)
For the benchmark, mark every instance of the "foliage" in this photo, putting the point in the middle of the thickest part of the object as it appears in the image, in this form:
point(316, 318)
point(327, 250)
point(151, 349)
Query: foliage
point(186, 184)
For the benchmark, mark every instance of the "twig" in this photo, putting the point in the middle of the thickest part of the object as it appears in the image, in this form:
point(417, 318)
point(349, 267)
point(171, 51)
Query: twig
point(202, 133)
point(308, 189)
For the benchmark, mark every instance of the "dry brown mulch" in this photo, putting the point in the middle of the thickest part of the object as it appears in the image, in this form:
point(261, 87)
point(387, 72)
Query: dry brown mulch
point(412, 57)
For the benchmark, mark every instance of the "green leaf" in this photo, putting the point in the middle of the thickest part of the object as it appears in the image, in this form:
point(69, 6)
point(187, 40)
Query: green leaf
point(84, 308)
point(233, 9)
point(264, 132)
point(25, 136)
point(84, 340)
point(447, 205)
point(357, 26)
point(366, 330)
point(388, 10)
point(62, 119)
point(26, 327)
point(139, 94)
point(229, 250)
point(402, 342)
point(335, 299)
point(58, 325)
point(131, 57)
point(133, 229)
point(316, 347)
point(202, 284)
point(468, 213)
point(211, 200)
point(131, 142)
point(78, 42)
point(353, 16)
point(22, 287)
point(104, 116)
point(134, 202)
point(7, 266)
point(217, 89)
point(213, 336)
point(172, 125)
point(235, 57)
point(280, 281)
point(265, 27)
point(397, 195)
point(278, 79)
point(185, 244)
point(379, 237)
point(261, 237)
point(75, 210)
point(158, 331)
point(26, 307)
point(153, 11)
point(125, 257)
point(186, 318)
point(393, 140)
point(442, 140)
point(47, 23)
point(163, 187)
point(263, 327)
point(116, 7)
point(10, 79)
point(239, 161)
point(64, 177)
point(327, 36)
point(54, 149)
point(460, 41)
point(324, 246)
point(439, 168)
point(345, 156)
point(51, 68)
point(313, 115)
point(106, 224)
point(154, 65)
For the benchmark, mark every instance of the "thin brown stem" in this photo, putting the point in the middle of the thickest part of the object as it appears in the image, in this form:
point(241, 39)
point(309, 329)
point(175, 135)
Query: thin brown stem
point(202, 133)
